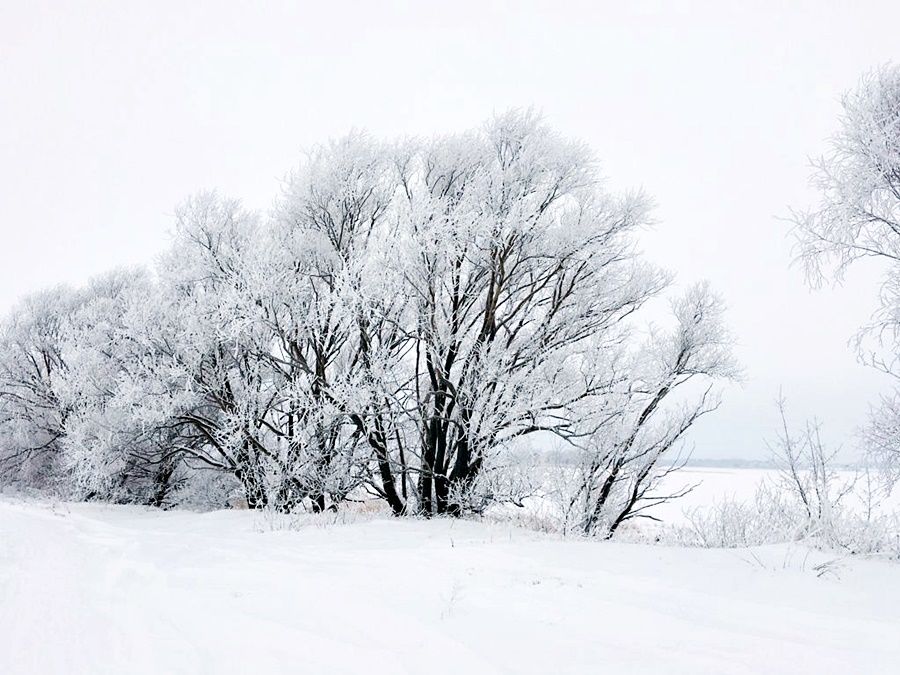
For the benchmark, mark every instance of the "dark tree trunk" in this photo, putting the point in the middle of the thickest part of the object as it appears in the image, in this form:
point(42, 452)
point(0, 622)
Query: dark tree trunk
point(161, 484)
point(318, 503)
point(388, 485)
point(426, 478)
point(254, 490)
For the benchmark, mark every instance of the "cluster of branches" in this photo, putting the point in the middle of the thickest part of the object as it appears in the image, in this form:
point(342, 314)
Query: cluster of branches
point(406, 312)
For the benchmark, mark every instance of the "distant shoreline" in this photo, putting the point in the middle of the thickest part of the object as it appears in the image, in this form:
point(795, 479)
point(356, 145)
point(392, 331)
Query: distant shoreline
point(738, 464)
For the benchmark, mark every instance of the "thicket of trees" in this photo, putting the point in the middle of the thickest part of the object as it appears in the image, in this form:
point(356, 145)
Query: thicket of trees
point(403, 315)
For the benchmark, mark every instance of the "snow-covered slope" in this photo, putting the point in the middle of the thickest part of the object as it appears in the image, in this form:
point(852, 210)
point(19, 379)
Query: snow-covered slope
point(104, 589)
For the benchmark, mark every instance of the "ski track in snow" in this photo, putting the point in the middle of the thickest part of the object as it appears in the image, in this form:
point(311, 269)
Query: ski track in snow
point(111, 589)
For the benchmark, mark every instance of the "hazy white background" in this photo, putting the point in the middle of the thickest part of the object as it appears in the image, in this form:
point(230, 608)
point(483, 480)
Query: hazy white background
point(112, 112)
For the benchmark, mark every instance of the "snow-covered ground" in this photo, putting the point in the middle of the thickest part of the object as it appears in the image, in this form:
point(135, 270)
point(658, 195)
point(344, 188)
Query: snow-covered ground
point(111, 589)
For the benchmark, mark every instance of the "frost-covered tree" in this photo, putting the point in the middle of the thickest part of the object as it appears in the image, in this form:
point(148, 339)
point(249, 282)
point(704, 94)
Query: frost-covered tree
point(110, 451)
point(858, 217)
point(619, 469)
point(165, 374)
point(320, 298)
point(521, 275)
point(32, 417)
point(249, 362)
point(206, 374)
point(62, 356)
point(517, 262)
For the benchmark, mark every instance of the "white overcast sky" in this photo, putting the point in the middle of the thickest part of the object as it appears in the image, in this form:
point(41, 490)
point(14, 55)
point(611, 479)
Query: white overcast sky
point(112, 112)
